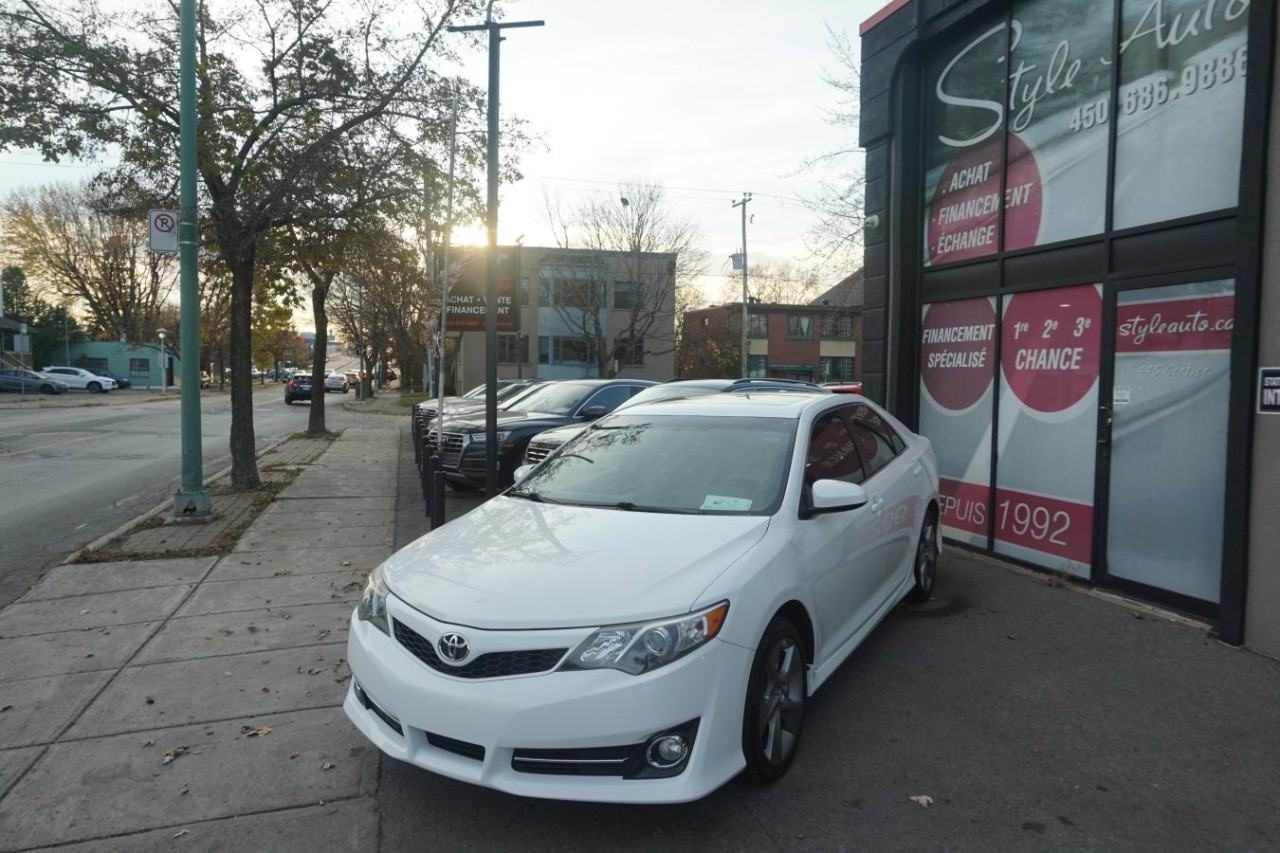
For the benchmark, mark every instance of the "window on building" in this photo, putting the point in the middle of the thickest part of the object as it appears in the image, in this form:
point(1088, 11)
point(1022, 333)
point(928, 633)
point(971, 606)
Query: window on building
point(627, 294)
point(757, 366)
point(139, 368)
point(571, 287)
point(837, 327)
point(96, 364)
point(799, 326)
point(513, 349)
point(758, 325)
point(558, 350)
point(630, 351)
point(835, 368)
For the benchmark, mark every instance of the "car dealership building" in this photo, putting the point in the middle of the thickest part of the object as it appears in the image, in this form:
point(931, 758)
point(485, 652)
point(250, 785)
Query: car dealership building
point(1073, 285)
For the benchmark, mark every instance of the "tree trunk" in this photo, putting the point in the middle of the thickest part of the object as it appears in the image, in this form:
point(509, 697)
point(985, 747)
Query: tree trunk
point(315, 421)
point(244, 452)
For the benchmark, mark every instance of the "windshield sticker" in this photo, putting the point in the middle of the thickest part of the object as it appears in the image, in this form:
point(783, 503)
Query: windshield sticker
point(723, 503)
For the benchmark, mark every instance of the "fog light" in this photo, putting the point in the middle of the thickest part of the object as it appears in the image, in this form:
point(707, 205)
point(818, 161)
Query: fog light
point(667, 751)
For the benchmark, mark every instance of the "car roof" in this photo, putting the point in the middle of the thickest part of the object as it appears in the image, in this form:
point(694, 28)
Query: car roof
point(767, 404)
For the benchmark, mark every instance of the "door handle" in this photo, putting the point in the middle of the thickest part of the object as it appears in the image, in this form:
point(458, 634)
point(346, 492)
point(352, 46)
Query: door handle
point(918, 470)
point(876, 503)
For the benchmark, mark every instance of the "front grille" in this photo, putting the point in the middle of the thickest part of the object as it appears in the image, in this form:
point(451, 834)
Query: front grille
point(598, 761)
point(491, 665)
point(428, 415)
point(370, 705)
point(451, 452)
point(428, 442)
point(457, 747)
point(537, 451)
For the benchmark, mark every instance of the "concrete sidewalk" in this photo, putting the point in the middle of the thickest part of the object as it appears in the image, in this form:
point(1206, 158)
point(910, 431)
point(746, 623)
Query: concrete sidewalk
point(143, 702)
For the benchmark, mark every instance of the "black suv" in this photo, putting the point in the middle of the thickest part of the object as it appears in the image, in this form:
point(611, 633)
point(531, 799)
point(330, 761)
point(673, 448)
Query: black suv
point(297, 388)
point(462, 455)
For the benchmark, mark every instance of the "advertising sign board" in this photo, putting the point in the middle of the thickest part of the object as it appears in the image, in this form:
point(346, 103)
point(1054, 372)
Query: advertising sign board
point(467, 304)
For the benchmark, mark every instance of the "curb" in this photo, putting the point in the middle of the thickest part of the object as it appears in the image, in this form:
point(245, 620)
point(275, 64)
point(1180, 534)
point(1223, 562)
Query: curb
point(159, 509)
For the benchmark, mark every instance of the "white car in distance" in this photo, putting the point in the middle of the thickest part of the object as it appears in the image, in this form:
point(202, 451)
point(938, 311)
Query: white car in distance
point(77, 378)
point(644, 615)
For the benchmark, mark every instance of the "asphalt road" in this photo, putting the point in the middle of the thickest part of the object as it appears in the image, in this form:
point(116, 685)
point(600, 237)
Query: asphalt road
point(71, 474)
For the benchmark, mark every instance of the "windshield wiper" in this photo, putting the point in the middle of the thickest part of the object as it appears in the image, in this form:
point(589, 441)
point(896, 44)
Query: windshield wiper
point(531, 495)
point(629, 506)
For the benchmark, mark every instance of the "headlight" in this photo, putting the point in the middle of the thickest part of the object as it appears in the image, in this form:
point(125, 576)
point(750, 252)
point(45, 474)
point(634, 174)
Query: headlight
point(373, 604)
point(480, 436)
point(645, 646)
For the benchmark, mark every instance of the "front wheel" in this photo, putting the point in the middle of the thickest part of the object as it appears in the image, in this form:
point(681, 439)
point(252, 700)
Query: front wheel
point(48, 389)
point(773, 717)
point(95, 387)
point(926, 564)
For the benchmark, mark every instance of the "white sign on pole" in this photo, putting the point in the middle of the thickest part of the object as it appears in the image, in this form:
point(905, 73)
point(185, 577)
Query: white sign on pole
point(164, 230)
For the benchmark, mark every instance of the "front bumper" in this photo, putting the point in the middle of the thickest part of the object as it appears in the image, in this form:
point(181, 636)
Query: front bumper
point(471, 728)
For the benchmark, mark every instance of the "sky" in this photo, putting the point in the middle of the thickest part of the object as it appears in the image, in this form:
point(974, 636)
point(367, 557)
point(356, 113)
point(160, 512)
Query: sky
point(710, 98)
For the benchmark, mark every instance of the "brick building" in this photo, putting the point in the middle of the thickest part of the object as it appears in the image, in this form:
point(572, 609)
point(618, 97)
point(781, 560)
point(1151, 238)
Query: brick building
point(817, 341)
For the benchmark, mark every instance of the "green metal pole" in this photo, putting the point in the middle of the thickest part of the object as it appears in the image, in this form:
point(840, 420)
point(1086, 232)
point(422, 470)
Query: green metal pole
point(192, 501)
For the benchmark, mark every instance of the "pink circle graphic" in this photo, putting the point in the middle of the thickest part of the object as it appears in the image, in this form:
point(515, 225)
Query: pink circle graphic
point(957, 351)
point(1050, 346)
point(964, 218)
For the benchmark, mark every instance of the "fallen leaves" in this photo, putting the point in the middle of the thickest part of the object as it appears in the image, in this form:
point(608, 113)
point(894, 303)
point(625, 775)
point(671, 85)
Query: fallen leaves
point(148, 700)
point(251, 731)
point(328, 765)
point(182, 792)
point(173, 754)
point(180, 833)
point(148, 742)
point(921, 800)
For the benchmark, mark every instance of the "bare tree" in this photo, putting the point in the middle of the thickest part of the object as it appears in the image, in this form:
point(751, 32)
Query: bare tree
point(780, 284)
point(836, 239)
point(75, 249)
point(639, 243)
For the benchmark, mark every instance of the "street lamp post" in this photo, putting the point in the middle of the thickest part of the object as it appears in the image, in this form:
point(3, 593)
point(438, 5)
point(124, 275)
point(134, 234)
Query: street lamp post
point(164, 384)
point(494, 30)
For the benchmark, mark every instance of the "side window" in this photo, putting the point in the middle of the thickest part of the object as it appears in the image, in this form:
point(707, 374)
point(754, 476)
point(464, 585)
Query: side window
point(610, 398)
point(633, 390)
point(874, 447)
point(832, 453)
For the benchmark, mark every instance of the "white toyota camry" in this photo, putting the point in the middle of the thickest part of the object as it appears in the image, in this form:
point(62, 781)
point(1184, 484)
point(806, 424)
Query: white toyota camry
point(643, 615)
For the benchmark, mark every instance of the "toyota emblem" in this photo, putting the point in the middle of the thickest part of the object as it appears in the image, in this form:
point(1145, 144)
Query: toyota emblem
point(453, 648)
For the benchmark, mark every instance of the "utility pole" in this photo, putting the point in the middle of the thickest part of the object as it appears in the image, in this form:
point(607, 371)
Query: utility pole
point(746, 197)
point(491, 266)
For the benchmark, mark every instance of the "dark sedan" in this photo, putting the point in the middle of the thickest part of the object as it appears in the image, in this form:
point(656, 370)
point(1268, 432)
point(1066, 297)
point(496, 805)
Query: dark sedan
point(297, 388)
point(121, 382)
point(556, 404)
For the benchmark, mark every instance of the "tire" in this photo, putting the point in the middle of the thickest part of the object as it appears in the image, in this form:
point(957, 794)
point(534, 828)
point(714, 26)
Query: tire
point(773, 714)
point(95, 387)
point(926, 560)
point(48, 389)
point(288, 401)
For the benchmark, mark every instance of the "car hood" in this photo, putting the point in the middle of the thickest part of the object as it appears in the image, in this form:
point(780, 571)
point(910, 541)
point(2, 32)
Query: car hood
point(512, 563)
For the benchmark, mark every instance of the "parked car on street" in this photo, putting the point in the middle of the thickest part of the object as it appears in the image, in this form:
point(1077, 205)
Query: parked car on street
point(545, 443)
point(297, 388)
point(645, 615)
point(509, 391)
point(30, 382)
point(121, 381)
point(78, 378)
point(462, 453)
point(336, 381)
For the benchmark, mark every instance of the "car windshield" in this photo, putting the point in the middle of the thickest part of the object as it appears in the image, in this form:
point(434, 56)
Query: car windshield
point(676, 464)
point(559, 398)
point(512, 392)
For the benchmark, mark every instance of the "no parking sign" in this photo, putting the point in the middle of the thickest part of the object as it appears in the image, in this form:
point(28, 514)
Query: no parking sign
point(163, 226)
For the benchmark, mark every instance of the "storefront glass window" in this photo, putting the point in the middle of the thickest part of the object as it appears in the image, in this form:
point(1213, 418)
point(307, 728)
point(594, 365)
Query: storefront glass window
point(1059, 110)
point(1050, 352)
point(957, 372)
point(1180, 116)
point(964, 142)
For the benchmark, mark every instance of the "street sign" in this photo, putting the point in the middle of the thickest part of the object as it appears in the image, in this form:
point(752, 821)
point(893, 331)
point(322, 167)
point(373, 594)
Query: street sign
point(163, 226)
point(467, 304)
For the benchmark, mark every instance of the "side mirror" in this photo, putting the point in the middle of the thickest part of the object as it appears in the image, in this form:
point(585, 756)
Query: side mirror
point(593, 413)
point(835, 496)
point(523, 471)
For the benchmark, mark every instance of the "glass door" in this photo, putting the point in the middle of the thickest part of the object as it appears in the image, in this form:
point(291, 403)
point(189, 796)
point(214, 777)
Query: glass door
point(1168, 431)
